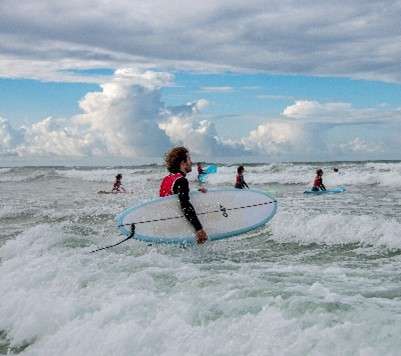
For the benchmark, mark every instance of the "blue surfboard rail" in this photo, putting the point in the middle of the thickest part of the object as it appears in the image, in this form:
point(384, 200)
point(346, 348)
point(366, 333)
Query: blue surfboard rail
point(191, 240)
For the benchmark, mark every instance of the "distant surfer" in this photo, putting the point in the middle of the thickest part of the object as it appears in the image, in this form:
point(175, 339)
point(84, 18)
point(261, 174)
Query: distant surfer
point(318, 182)
point(117, 186)
point(335, 170)
point(239, 179)
point(178, 163)
point(200, 170)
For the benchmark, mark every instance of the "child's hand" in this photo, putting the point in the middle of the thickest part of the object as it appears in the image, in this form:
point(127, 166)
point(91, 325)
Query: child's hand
point(203, 189)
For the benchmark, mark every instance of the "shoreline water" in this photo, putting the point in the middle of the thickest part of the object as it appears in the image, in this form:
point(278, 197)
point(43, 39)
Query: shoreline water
point(322, 278)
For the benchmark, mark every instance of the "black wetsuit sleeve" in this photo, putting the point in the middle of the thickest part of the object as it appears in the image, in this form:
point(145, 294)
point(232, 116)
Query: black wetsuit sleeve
point(243, 183)
point(181, 188)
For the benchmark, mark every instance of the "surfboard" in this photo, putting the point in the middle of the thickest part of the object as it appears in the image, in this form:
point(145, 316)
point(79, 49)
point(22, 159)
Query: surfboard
point(109, 192)
point(223, 213)
point(208, 170)
point(327, 191)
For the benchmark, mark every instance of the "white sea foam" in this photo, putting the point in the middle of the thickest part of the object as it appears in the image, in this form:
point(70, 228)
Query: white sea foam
point(64, 301)
point(108, 175)
point(4, 170)
point(269, 292)
point(332, 229)
point(350, 174)
point(14, 175)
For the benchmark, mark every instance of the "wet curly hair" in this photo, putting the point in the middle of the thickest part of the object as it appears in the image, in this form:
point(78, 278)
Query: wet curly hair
point(174, 157)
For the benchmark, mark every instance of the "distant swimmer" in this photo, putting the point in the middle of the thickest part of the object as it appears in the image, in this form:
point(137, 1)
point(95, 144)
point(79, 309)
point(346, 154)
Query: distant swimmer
point(200, 169)
point(117, 186)
point(178, 163)
point(239, 179)
point(335, 170)
point(318, 182)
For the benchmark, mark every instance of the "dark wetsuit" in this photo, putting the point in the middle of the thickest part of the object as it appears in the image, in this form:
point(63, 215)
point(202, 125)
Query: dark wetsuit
point(181, 188)
point(240, 182)
point(116, 186)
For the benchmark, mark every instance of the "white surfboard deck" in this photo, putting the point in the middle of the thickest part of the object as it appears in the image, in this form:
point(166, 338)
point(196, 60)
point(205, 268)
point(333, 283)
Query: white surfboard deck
point(223, 213)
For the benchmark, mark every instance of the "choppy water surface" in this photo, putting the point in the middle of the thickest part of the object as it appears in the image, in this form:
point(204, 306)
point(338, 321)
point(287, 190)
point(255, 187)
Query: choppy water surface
point(322, 279)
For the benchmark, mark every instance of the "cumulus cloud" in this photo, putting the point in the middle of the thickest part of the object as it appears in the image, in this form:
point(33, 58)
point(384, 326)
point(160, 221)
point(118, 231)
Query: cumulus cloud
point(9, 137)
point(184, 128)
point(359, 39)
point(307, 130)
point(201, 136)
point(57, 137)
point(286, 140)
point(338, 113)
point(126, 113)
point(358, 145)
point(126, 118)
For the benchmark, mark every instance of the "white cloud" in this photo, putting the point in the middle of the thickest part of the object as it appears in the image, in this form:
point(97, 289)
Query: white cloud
point(127, 118)
point(280, 139)
point(338, 113)
point(199, 135)
point(126, 113)
point(9, 137)
point(57, 137)
point(223, 89)
point(358, 145)
point(274, 97)
point(359, 39)
point(304, 109)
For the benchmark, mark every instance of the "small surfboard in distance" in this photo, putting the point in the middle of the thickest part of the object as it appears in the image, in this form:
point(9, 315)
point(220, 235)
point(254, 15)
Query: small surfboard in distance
point(110, 192)
point(223, 213)
point(208, 170)
point(327, 191)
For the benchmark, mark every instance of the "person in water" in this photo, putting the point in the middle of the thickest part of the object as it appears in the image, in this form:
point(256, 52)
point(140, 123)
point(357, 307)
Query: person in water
point(200, 169)
point(239, 180)
point(318, 182)
point(178, 163)
point(117, 186)
point(335, 170)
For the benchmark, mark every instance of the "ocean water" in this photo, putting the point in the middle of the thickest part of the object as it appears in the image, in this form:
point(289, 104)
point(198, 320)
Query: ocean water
point(323, 278)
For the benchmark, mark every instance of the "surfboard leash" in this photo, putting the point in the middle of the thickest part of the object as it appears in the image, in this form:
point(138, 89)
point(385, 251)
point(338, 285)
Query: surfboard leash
point(130, 236)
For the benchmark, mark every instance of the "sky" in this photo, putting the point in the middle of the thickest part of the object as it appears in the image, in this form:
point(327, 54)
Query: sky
point(257, 80)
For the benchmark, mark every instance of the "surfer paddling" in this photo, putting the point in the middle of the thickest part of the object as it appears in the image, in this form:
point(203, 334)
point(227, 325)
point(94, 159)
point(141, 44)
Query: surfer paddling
point(239, 179)
point(178, 163)
point(117, 186)
point(318, 182)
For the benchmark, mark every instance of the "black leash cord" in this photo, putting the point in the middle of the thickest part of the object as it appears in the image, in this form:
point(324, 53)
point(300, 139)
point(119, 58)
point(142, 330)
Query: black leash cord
point(131, 235)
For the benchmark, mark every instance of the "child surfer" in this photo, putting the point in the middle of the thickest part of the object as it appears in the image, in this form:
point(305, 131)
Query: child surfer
point(200, 170)
point(117, 186)
point(239, 179)
point(318, 182)
point(178, 163)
